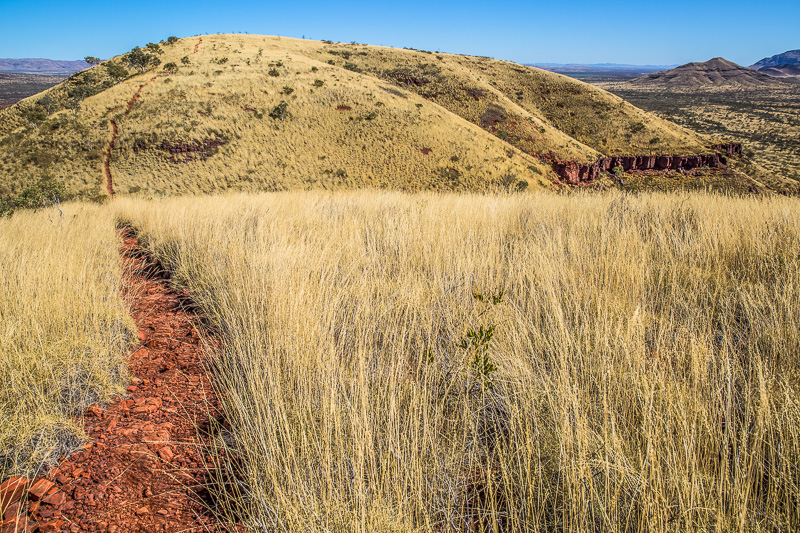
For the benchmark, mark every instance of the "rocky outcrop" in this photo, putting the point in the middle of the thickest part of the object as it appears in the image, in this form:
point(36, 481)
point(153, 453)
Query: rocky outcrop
point(574, 172)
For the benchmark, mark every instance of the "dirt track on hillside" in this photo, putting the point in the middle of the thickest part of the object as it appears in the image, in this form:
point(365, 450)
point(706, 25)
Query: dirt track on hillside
point(114, 133)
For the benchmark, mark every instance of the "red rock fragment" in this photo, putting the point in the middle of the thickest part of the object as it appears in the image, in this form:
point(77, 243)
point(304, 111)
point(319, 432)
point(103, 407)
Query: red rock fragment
point(53, 526)
point(57, 499)
point(166, 453)
point(12, 490)
point(39, 488)
point(11, 511)
point(141, 511)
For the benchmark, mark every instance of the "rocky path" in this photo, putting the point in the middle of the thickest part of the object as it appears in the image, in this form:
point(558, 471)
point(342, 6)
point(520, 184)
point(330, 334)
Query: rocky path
point(114, 133)
point(196, 46)
point(145, 469)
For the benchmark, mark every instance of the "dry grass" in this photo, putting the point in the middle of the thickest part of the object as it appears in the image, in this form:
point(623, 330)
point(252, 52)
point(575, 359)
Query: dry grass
point(63, 330)
point(645, 349)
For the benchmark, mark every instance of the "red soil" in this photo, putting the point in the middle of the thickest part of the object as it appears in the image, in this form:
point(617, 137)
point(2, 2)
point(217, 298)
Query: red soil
point(198, 45)
point(114, 132)
point(107, 162)
point(145, 469)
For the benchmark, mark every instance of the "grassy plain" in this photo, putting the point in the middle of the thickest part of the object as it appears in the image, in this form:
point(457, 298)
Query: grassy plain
point(765, 119)
point(64, 330)
point(397, 362)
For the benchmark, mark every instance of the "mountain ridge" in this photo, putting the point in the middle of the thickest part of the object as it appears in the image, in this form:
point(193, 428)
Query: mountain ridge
point(790, 57)
point(41, 66)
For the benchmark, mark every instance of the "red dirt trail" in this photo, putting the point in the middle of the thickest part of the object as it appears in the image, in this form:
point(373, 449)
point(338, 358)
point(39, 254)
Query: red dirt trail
point(114, 132)
point(143, 471)
point(198, 45)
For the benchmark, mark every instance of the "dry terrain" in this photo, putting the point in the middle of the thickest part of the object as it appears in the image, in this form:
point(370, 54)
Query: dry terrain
point(765, 119)
point(15, 87)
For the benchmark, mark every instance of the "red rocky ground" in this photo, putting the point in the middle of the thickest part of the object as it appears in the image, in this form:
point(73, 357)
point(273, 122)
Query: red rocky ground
point(145, 467)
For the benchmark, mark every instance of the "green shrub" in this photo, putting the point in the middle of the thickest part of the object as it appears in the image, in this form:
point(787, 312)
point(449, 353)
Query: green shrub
point(274, 72)
point(280, 111)
point(45, 193)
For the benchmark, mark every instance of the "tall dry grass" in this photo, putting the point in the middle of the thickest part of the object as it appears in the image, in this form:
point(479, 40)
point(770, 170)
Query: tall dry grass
point(645, 350)
point(64, 330)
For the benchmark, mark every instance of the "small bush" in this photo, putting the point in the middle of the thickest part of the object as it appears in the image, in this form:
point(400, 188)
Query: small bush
point(274, 72)
point(287, 90)
point(318, 83)
point(351, 67)
point(280, 111)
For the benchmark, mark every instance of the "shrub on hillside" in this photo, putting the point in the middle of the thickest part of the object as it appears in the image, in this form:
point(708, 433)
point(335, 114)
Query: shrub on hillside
point(280, 111)
point(45, 193)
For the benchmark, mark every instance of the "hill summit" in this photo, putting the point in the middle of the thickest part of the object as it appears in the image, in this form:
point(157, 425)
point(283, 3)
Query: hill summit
point(246, 112)
point(715, 72)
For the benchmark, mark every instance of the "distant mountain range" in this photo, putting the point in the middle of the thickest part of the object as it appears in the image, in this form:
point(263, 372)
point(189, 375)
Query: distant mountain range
point(41, 66)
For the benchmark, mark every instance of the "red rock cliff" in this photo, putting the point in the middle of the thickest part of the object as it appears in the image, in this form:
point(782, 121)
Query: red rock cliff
point(574, 172)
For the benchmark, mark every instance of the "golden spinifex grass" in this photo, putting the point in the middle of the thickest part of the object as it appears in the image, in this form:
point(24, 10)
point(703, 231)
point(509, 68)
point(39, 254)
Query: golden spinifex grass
point(63, 330)
point(397, 362)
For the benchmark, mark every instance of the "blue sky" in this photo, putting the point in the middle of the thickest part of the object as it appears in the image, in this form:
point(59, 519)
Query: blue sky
point(527, 32)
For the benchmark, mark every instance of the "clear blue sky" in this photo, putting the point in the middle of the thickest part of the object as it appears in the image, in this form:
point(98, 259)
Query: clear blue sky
point(585, 31)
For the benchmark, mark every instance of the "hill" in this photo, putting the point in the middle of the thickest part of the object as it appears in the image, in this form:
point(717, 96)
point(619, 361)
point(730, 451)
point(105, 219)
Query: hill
point(40, 66)
point(715, 72)
point(792, 57)
point(15, 87)
point(269, 113)
point(782, 71)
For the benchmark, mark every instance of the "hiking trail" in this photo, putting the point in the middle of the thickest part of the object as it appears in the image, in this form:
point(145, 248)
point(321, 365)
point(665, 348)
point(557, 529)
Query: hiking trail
point(146, 466)
point(114, 133)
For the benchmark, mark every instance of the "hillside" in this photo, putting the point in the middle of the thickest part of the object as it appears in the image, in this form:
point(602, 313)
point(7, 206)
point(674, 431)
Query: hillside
point(268, 113)
point(782, 71)
point(40, 66)
point(715, 72)
point(792, 57)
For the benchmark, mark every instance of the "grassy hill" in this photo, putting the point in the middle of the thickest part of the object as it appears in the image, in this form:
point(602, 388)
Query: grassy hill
point(268, 113)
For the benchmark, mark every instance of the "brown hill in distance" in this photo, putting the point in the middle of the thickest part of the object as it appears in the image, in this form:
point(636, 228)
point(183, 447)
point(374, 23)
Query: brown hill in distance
point(715, 72)
point(782, 71)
